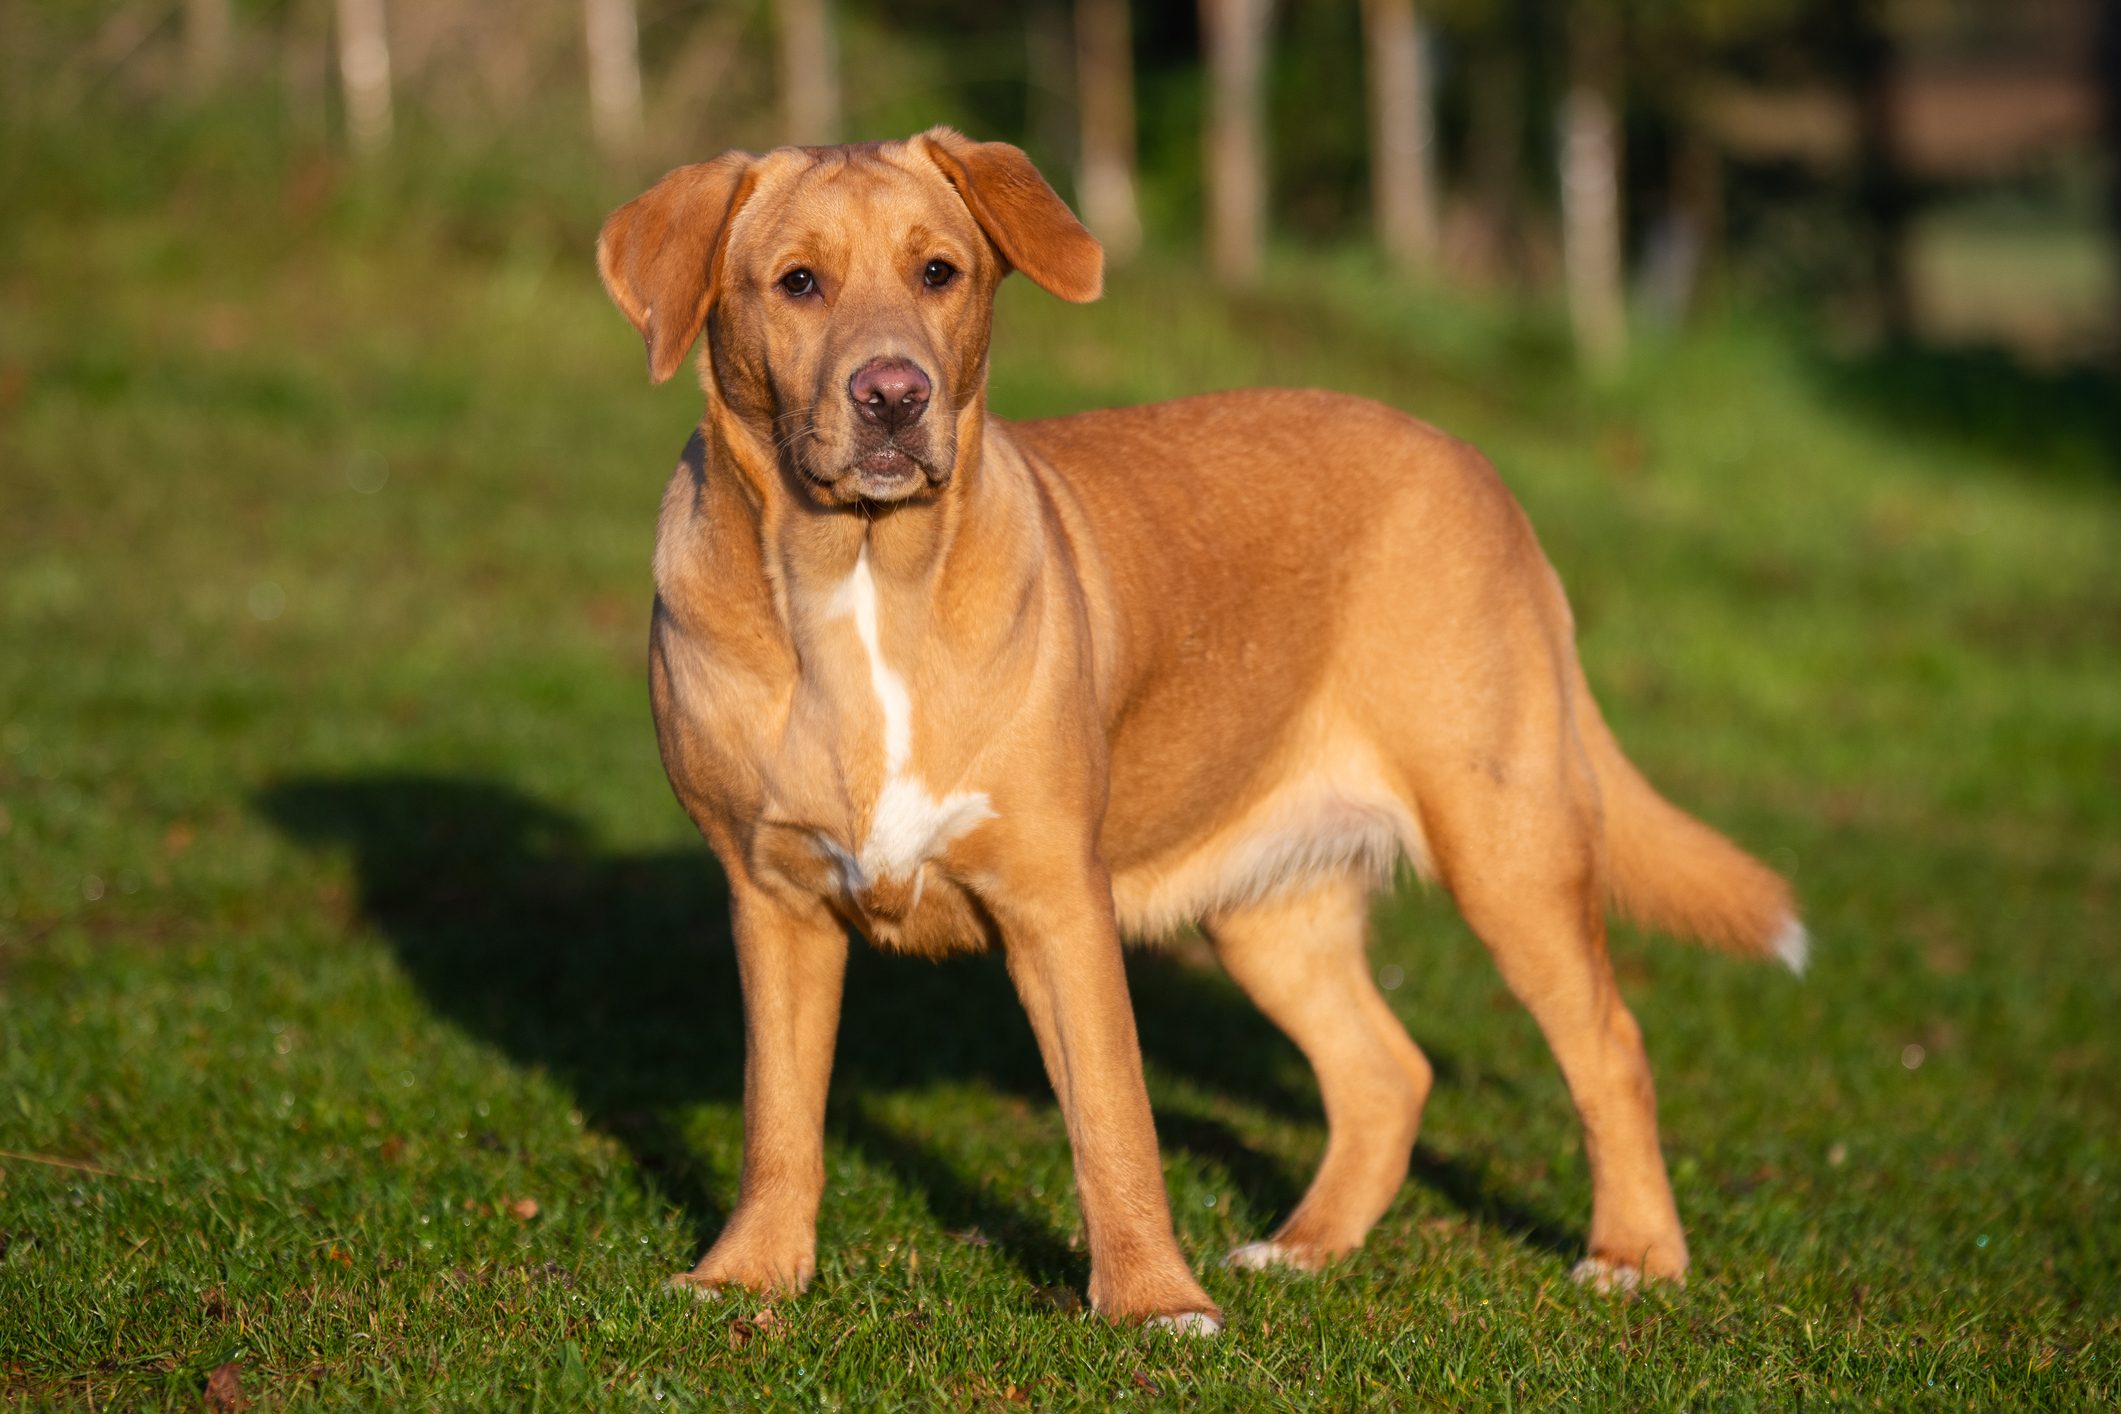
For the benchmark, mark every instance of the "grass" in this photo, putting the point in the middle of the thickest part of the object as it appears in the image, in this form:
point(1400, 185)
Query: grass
point(343, 907)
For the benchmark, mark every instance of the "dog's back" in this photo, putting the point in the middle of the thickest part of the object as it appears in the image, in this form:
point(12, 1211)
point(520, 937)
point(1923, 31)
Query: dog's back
point(1312, 579)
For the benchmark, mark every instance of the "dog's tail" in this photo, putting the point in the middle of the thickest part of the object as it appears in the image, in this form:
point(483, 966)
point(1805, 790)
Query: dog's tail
point(1668, 871)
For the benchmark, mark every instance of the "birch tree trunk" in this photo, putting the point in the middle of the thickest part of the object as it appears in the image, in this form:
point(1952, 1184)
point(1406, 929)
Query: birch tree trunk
point(207, 27)
point(1402, 137)
point(1236, 34)
point(364, 74)
point(612, 29)
point(810, 73)
point(1683, 243)
point(1590, 190)
point(1104, 77)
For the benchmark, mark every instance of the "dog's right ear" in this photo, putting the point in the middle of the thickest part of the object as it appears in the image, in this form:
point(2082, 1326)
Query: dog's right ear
point(661, 254)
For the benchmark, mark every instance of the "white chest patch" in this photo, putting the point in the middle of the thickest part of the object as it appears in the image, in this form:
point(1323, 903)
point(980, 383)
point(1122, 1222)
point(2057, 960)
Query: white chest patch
point(909, 824)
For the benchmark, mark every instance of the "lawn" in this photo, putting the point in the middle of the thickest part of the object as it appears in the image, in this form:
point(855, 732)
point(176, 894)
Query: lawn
point(358, 965)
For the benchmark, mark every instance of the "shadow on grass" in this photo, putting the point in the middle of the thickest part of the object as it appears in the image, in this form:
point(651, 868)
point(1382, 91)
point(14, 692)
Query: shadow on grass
point(2063, 420)
point(615, 974)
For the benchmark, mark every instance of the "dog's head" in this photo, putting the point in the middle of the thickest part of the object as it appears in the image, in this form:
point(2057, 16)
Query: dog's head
point(847, 293)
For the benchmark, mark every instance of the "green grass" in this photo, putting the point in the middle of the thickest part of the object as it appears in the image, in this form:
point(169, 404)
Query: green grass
point(343, 905)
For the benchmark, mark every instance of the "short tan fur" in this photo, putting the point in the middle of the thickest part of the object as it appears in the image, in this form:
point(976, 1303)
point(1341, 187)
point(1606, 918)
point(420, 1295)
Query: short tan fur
point(956, 683)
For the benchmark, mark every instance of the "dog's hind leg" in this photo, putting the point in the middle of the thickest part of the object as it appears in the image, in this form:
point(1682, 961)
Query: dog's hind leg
point(1301, 958)
point(1517, 844)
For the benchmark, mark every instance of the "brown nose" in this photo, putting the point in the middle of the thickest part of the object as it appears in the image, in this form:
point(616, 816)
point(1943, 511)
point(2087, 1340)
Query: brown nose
point(889, 392)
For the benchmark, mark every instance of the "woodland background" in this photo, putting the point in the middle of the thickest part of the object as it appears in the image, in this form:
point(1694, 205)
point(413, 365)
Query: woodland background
point(369, 1032)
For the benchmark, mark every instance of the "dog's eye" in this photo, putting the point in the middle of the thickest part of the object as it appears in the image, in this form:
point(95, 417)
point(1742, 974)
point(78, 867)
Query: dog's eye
point(938, 274)
point(799, 282)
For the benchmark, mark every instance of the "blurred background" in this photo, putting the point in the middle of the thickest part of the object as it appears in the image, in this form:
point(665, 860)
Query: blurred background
point(1935, 171)
point(343, 904)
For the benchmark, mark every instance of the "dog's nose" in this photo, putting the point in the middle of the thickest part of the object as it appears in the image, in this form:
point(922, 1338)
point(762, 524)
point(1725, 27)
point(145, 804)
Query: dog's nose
point(890, 392)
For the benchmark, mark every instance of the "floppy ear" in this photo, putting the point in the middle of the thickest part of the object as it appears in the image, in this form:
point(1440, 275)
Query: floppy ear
point(661, 253)
point(1031, 226)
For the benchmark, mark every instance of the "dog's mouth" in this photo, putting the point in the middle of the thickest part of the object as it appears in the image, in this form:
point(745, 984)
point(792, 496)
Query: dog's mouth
point(883, 474)
point(848, 466)
point(889, 473)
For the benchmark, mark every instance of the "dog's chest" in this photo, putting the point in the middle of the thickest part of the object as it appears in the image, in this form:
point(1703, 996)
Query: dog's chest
point(851, 809)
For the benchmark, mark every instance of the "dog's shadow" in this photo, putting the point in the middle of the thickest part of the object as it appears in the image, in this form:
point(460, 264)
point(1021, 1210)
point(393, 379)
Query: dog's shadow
point(615, 975)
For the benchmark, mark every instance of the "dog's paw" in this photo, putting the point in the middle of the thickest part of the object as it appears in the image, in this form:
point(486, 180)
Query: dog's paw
point(712, 1279)
point(1266, 1256)
point(1196, 1323)
point(1611, 1278)
point(694, 1285)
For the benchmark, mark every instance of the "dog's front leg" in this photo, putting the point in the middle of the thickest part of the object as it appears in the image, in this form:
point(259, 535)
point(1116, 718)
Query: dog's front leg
point(791, 964)
point(1064, 955)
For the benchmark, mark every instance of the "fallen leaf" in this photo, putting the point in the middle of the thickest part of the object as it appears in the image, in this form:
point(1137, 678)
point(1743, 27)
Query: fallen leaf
point(523, 1209)
point(224, 1389)
point(392, 1147)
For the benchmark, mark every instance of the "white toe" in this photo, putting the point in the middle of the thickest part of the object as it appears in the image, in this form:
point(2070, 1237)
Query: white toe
point(1257, 1256)
point(1603, 1277)
point(1187, 1323)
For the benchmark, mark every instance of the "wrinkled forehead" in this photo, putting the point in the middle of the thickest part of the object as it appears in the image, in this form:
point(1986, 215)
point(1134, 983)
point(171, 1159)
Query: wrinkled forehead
point(823, 203)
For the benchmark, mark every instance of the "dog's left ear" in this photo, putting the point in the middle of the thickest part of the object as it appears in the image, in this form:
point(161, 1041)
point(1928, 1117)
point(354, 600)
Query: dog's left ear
point(1028, 223)
point(661, 253)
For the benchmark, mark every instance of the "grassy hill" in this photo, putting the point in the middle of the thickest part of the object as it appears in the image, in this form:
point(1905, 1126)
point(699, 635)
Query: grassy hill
point(359, 967)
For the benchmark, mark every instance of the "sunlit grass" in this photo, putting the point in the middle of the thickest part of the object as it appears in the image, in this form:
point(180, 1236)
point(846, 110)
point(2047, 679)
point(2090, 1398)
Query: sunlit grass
point(343, 906)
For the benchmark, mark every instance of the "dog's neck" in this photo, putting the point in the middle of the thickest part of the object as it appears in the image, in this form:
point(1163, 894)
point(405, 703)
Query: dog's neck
point(941, 560)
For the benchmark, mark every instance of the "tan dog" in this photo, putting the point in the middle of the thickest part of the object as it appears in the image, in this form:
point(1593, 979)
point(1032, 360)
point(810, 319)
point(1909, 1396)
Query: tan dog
point(959, 683)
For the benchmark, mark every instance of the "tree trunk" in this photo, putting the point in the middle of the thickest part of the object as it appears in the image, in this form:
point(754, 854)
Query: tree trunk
point(711, 48)
point(304, 40)
point(207, 27)
point(1590, 190)
point(364, 74)
point(1683, 245)
point(810, 73)
point(1402, 137)
point(2110, 100)
point(1880, 189)
point(1104, 76)
point(1236, 35)
point(1495, 156)
point(1050, 116)
point(613, 32)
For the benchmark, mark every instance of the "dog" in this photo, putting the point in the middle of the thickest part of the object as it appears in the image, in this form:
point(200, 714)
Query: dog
point(957, 683)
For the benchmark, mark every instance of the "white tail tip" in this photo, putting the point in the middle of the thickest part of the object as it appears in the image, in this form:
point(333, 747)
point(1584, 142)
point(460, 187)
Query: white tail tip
point(1794, 946)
